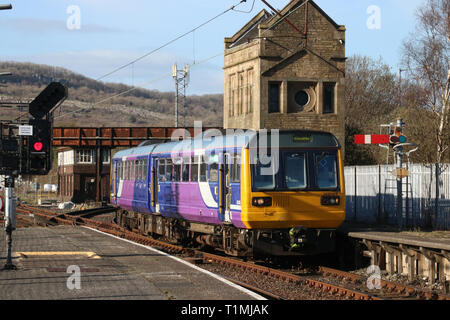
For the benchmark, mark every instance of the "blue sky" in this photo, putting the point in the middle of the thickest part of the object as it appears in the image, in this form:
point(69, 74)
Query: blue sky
point(113, 33)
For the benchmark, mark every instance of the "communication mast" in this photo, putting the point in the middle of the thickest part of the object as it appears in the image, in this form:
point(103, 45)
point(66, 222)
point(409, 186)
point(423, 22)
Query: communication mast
point(181, 78)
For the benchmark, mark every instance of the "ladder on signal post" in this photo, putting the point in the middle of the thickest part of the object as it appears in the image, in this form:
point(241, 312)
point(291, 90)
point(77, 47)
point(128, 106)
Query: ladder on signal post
point(390, 185)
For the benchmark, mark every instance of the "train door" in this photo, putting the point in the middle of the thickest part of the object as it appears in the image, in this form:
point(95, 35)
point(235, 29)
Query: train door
point(153, 185)
point(225, 188)
point(114, 181)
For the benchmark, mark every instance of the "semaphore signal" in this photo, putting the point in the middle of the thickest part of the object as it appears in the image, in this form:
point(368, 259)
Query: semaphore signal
point(372, 139)
point(397, 141)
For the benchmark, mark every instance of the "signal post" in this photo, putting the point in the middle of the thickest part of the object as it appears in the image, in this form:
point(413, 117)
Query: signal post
point(26, 148)
point(397, 141)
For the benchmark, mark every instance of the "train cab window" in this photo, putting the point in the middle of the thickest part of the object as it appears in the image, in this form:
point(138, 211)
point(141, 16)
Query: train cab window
point(185, 169)
point(169, 169)
point(263, 176)
point(295, 170)
point(194, 169)
point(203, 170)
point(325, 170)
point(213, 172)
point(162, 170)
point(235, 173)
point(177, 170)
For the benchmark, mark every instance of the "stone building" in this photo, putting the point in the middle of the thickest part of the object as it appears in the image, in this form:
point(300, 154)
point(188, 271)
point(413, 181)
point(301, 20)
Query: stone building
point(286, 72)
point(79, 173)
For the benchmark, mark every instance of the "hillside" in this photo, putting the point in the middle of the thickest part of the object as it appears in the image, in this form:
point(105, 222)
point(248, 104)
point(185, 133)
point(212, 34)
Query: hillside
point(139, 107)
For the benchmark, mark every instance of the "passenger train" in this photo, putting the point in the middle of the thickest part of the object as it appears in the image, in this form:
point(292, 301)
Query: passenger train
point(246, 193)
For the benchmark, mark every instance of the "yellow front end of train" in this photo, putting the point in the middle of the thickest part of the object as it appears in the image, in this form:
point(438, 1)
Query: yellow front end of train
point(291, 208)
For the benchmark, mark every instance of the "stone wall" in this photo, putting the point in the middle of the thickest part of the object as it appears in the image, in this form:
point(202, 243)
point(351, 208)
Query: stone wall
point(277, 54)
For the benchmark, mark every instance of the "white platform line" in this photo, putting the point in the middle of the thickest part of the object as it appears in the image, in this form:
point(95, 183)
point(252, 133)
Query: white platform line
point(250, 293)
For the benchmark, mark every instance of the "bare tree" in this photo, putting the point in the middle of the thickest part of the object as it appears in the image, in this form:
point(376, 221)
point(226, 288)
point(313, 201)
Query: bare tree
point(426, 54)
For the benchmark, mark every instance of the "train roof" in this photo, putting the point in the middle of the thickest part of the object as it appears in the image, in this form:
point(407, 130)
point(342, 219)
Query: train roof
point(213, 139)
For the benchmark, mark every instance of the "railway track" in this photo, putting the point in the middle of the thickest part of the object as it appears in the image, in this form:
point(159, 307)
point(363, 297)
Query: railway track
point(331, 283)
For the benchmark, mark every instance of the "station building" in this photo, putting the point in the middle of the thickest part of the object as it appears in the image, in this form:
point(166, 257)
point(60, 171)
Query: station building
point(79, 171)
point(286, 72)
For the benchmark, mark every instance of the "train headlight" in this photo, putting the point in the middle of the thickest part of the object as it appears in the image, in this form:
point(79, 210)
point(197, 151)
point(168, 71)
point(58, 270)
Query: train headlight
point(262, 201)
point(330, 200)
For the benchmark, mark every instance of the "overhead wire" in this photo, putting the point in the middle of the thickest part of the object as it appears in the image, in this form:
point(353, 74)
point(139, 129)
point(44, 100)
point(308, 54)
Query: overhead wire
point(139, 86)
point(169, 42)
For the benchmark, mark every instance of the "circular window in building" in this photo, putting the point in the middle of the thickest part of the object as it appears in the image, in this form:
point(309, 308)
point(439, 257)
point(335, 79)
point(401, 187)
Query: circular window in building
point(302, 98)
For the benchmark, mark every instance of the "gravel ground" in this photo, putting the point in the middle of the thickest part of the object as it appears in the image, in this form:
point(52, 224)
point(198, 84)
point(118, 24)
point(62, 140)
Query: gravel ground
point(420, 282)
point(290, 291)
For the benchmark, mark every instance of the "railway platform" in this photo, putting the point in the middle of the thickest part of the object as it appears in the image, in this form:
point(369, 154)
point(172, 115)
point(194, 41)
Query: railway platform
point(412, 253)
point(64, 262)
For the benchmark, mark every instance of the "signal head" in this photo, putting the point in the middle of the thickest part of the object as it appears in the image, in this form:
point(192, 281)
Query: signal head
point(38, 146)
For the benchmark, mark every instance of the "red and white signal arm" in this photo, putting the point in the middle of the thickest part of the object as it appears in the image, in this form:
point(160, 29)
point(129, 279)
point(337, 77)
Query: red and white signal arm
point(371, 139)
point(2, 203)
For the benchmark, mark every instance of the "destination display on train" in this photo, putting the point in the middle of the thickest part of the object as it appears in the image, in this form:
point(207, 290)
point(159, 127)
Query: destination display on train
point(302, 138)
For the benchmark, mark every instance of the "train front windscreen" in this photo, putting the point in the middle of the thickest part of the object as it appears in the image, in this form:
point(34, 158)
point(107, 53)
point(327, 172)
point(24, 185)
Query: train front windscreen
point(292, 170)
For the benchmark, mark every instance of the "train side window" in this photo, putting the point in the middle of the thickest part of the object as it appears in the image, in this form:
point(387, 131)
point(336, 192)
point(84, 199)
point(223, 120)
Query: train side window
point(203, 170)
point(162, 170)
point(177, 170)
point(194, 169)
point(126, 170)
point(169, 170)
point(236, 168)
point(185, 170)
point(137, 169)
point(131, 170)
point(213, 172)
point(145, 169)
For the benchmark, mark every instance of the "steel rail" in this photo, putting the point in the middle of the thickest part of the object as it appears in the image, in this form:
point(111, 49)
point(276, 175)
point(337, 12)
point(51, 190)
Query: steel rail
point(136, 236)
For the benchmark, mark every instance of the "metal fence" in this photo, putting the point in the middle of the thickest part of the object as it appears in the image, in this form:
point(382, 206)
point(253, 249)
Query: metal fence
point(371, 195)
